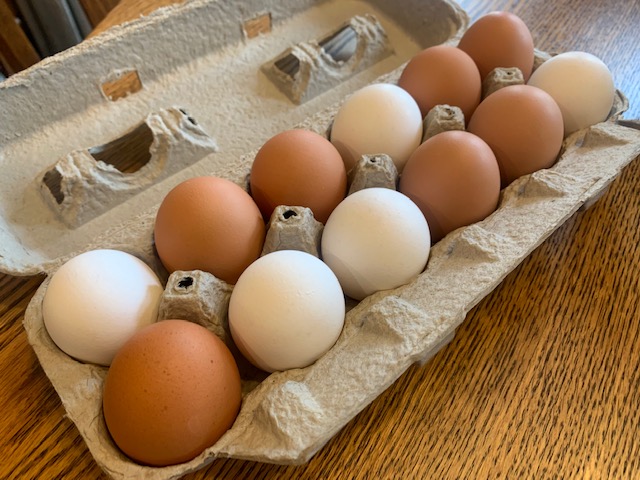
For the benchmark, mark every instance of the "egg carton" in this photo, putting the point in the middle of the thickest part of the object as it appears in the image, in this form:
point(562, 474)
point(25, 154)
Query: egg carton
point(188, 90)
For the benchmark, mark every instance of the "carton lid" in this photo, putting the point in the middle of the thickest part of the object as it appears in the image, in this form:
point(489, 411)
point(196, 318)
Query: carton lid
point(186, 90)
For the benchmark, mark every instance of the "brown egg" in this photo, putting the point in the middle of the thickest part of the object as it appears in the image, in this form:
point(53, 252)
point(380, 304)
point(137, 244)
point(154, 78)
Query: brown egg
point(523, 126)
point(499, 39)
point(443, 75)
point(298, 168)
point(454, 179)
point(209, 224)
point(171, 392)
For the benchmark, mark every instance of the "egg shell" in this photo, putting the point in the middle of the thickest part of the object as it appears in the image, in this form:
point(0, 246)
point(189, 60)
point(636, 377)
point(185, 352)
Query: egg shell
point(442, 75)
point(523, 126)
point(210, 224)
point(97, 300)
point(499, 39)
point(378, 118)
point(582, 86)
point(286, 311)
point(376, 239)
point(172, 391)
point(454, 179)
point(298, 167)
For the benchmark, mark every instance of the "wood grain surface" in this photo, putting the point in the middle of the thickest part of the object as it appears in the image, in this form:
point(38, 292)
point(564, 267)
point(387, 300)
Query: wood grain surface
point(16, 50)
point(541, 381)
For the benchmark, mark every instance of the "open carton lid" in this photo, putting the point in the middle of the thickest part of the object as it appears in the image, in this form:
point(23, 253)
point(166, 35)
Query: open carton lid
point(202, 58)
point(212, 60)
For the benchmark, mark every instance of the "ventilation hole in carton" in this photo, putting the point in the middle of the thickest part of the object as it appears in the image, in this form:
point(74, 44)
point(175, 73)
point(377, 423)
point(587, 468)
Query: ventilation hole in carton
point(289, 64)
point(257, 25)
point(53, 181)
point(185, 283)
point(128, 153)
point(341, 45)
point(288, 214)
point(123, 84)
point(190, 118)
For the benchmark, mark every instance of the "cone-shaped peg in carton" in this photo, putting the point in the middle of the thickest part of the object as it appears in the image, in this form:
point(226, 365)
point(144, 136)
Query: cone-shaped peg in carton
point(501, 77)
point(198, 297)
point(308, 69)
point(293, 228)
point(86, 183)
point(539, 57)
point(374, 171)
point(442, 118)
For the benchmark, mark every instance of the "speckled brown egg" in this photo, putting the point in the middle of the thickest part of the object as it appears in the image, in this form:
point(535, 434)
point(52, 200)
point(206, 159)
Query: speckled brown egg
point(298, 168)
point(210, 224)
point(454, 179)
point(523, 126)
point(442, 75)
point(499, 39)
point(171, 392)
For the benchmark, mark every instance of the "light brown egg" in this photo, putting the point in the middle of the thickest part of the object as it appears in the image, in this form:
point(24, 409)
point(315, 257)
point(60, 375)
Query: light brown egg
point(454, 179)
point(298, 168)
point(443, 75)
point(499, 39)
point(523, 126)
point(171, 392)
point(210, 224)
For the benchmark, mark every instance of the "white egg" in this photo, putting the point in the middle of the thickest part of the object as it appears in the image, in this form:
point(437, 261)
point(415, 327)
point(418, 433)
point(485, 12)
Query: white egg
point(375, 239)
point(582, 86)
point(97, 300)
point(286, 310)
point(379, 118)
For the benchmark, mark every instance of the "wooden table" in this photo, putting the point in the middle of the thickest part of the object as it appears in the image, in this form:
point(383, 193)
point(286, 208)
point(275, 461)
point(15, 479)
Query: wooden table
point(541, 381)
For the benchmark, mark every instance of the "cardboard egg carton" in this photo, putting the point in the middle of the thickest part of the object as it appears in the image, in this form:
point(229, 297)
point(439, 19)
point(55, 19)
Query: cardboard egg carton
point(187, 92)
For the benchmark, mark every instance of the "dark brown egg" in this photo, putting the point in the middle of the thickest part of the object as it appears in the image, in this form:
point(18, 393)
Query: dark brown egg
point(443, 75)
point(171, 392)
point(210, 224)
point(523, 126)
point(298, 168)
point(499, 39)
point(454, 179)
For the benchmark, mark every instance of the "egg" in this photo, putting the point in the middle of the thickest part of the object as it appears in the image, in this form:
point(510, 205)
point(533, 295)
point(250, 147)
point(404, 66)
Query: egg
point(97, 300)
point(442, 75)
point(286, 311)
point(581, 84)
point(298, 168)
point(454, 179)
point(376, 239)
point(171, 392)
point(209, 224)
point(524, 128)
point(378, 118)
point(499, 39)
